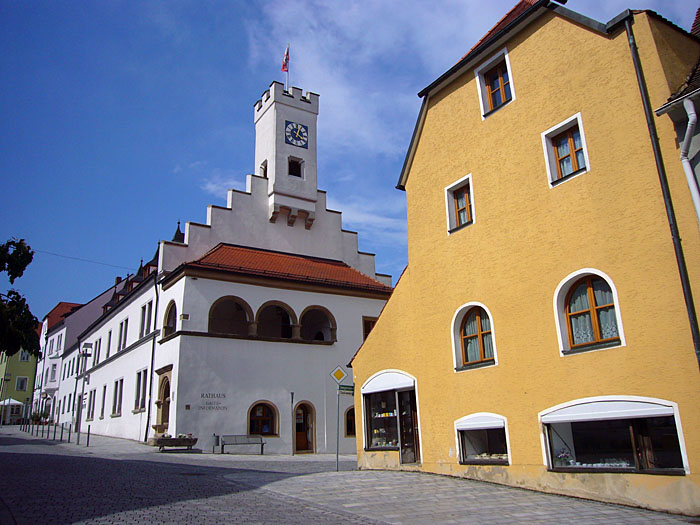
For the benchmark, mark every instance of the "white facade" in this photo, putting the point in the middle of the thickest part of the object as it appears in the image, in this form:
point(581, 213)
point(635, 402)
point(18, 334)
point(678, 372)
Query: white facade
point(203, 381)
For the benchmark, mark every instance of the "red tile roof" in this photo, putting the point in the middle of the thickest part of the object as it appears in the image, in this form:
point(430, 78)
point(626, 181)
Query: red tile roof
point(59, 312)
point(511, 15)
point(264, 263)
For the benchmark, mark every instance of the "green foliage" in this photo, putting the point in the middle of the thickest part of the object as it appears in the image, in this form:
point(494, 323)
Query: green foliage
point(17, 323)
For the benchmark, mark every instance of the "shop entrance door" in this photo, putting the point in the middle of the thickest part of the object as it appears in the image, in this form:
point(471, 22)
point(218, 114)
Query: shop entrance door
point(408, 421)
point(303, 416)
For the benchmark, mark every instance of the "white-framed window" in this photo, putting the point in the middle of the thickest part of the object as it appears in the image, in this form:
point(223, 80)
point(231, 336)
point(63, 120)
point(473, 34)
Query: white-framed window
point(565, 151)
point(91, 404)
point(473, 337)
point(494, 83)
point(21, 383)
point(58, 343)
point(104, 397)
point(123, 330)
point(482, 439)
point(51, 346)
point(459, 203)
point(23, 355)
point(69, 403)
point(587, 312)
point(140, 394)
point(53, 372)
point(614, 434)
point(96, 352)
point(63, 405)
point(109, 344)
point(146, 313)
point(117, 397)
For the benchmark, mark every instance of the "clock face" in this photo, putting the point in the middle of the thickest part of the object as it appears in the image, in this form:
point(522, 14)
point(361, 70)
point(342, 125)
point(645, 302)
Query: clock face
point(296, 134)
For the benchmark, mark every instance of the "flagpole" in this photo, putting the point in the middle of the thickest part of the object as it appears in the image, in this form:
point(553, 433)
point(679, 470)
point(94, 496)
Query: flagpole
point(287, 88)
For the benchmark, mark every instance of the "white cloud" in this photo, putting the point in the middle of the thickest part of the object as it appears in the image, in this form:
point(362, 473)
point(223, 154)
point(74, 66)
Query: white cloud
point(219, 181)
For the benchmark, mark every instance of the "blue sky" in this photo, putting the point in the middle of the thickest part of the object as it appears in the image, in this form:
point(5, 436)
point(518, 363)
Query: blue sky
point(121, 118)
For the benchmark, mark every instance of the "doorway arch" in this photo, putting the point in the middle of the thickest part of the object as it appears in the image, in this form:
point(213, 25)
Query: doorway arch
point(304, 428)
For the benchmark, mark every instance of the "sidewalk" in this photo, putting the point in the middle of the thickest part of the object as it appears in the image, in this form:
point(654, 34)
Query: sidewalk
point(310, 482)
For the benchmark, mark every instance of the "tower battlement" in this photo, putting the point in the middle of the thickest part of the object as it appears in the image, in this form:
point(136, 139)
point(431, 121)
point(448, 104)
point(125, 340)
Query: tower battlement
point(295, 97)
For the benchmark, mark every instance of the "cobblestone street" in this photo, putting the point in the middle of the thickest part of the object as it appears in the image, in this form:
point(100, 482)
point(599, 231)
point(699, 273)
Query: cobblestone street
point(120, 481)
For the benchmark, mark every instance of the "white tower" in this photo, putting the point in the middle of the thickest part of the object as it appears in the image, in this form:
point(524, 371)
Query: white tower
point(285, 151)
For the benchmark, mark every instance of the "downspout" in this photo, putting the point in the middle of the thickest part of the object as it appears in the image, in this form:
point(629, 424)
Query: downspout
point(685, 161)
point(663, 180)
point(153, 357)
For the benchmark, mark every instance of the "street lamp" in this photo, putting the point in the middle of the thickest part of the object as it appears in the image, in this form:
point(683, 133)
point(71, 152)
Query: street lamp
point(83, 354)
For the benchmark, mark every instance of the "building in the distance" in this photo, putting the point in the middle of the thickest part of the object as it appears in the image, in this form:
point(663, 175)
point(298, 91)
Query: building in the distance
point(16, 386)
point(236, 324)
point(543, 334)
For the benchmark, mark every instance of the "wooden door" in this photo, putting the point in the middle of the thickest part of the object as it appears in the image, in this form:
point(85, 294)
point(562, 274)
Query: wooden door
point(408, 427)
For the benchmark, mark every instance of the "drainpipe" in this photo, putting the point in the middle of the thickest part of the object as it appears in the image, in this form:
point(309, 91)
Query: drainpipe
point(153, 357)
point(685, 161)
point(661, 170)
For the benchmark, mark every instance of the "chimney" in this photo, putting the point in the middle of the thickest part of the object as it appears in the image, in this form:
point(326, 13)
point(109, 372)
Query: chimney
point(117, 280)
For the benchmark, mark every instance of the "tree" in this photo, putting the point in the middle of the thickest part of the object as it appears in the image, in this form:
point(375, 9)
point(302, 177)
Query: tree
point(17, 323)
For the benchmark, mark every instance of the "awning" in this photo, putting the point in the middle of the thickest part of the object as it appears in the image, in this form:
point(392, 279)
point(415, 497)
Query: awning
point(10, 401)
point(388, 381)
point(602, 410)
point(480, 422)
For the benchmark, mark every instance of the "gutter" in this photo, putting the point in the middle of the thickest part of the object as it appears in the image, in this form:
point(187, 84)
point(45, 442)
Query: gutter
point(665, 190)
point(685, 161)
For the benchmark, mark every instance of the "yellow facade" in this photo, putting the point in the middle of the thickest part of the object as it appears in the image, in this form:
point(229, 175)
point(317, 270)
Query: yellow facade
point(527, 236)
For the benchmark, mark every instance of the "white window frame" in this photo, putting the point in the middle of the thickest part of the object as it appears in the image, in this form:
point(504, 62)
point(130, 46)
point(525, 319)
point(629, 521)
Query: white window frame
point(544, 442)
point(457, 319)
point(109, 344)
point(123, 330)
point(548, 148)
point(104, 398)
point(560, 320)
point(146, 319)
point(480, 421)
point(140, 392)
point(26, 383)
point(23, 356)
point(449, 204)
point(480, 72)
point(117, 397)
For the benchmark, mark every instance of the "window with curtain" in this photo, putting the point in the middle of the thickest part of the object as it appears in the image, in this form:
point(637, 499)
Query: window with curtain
point(590, 314)
point(477, 341)
point(568, 150)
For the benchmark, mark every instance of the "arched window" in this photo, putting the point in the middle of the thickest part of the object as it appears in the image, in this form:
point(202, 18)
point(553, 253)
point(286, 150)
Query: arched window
point(275, 321)
point(476, 338)
point(170, 324)
point(350, 422)
point(229, 315)
point(317, 324)
point(262, 420)
point(590, 313)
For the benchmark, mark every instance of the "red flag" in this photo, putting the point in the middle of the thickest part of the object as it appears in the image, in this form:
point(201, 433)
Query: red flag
point(285, 60)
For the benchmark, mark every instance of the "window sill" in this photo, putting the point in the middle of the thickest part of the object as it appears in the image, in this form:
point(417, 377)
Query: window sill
point(485, 462)
point(595, 346)
point(460, 227)
point(371, 449)
point(481, 364)
point(88, 419)
point(567, 177)
point(101, 417)
point(138, 410)
point(492, 111)
point(599, 470)
point(115, 415)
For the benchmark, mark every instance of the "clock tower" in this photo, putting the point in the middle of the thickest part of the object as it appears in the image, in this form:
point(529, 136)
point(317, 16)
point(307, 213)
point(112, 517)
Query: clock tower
point(285, 152)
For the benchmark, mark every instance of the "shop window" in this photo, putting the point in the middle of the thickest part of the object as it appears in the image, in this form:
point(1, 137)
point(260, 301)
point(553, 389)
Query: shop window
point(459, 203)
point(482, 439)
point(262, 420)
point(494, 83)
point(588, 316)
point(350, 422)
point(229, 315)
point(382, 426)
point(565, 150)
point(170, 324)
point(275, 321)
point(317, 325)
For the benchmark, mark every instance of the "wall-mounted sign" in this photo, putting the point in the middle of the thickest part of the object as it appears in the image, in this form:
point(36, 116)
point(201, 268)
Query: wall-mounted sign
point(212, 401)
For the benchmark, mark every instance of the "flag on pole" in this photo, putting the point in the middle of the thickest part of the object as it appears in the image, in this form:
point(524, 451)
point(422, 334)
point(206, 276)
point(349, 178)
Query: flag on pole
point(285, 60)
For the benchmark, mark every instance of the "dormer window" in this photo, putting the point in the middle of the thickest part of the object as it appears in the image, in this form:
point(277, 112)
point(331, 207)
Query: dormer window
point(295, 167)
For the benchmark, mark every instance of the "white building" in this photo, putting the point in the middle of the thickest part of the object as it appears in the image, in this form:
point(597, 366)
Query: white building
point(236, 325)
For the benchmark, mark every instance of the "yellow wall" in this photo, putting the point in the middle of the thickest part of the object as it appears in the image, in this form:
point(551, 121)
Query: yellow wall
point(526, 238)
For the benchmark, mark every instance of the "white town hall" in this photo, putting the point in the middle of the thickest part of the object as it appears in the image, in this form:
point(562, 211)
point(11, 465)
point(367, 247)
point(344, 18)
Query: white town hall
point(236, 324)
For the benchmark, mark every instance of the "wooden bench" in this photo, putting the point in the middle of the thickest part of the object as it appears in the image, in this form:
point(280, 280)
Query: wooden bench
point(244, 439)
point(162, 442)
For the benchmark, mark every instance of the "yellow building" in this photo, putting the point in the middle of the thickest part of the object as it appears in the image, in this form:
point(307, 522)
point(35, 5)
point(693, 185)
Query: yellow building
point(542, 334)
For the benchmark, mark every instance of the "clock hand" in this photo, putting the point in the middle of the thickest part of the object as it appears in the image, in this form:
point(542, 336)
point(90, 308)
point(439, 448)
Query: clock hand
point(297, 133)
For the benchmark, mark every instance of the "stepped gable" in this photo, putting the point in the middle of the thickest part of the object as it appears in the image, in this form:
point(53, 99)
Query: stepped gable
point(265, 263)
